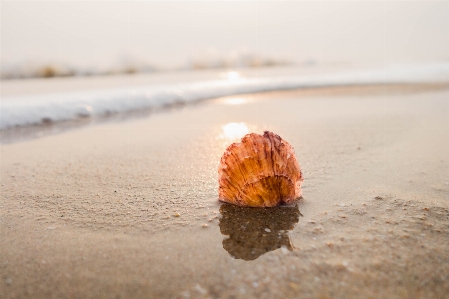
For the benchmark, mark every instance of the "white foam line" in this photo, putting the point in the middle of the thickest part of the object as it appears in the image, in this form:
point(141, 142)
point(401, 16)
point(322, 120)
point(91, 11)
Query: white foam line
point(34, 109)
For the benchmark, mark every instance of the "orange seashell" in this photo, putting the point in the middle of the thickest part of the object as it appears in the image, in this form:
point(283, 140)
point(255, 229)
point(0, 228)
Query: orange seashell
point(260, 171)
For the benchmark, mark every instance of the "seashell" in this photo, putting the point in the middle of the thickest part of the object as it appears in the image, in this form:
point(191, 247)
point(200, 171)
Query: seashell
point(260, 171)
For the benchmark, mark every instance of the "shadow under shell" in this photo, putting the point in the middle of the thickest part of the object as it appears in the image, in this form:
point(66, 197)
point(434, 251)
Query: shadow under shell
point(255, 231)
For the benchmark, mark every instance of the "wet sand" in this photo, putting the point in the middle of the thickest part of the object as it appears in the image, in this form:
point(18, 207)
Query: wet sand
point(130, 210)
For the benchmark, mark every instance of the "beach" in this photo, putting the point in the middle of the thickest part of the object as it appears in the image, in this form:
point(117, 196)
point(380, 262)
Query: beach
point(129, 208)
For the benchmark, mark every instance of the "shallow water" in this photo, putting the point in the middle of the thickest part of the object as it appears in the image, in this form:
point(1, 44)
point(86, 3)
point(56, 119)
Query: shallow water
point(61, 106)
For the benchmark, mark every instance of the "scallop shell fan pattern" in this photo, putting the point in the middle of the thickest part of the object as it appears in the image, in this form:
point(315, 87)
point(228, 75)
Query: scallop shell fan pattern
point(260, 171)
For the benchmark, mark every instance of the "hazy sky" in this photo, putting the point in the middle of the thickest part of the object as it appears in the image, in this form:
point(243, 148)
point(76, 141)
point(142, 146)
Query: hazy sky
point(99, 33)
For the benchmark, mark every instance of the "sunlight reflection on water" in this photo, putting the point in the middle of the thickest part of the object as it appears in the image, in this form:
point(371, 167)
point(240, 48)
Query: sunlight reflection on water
point(232, 76)
point(233, 131)
point(235, 101)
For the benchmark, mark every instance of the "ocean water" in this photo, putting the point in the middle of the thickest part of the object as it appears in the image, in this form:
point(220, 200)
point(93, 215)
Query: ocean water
point(32, 109)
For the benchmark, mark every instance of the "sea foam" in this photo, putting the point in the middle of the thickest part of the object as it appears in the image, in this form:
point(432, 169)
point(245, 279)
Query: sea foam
point(34, 109)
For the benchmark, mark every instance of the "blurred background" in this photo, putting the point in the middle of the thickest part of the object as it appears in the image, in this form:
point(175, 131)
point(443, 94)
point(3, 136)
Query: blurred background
point(81, 38)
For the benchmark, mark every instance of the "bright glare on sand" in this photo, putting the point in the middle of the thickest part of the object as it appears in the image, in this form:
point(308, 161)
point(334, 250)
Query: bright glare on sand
point(235, 130)
point(235, 101)
point(233, 75)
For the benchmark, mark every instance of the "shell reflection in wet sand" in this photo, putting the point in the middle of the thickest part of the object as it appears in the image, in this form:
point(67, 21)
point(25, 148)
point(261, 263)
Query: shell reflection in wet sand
point(254, 232)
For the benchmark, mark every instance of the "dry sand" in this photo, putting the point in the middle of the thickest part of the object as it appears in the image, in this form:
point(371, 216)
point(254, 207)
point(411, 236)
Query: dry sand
point(130, 210)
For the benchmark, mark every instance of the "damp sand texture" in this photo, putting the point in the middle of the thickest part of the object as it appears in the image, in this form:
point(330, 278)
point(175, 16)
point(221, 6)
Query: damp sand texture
point(130, 210)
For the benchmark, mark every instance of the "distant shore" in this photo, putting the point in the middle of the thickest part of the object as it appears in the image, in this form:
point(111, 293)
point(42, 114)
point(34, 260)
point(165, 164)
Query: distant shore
point(61, 70)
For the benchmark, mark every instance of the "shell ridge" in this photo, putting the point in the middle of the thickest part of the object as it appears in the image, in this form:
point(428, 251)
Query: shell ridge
point(271, 153)
point(236, 161)
point(258, 178)
point(268, 176)
point(228, 160)
point(257, 157)
point(232, 185)
point(266, 144)
point(238, 165)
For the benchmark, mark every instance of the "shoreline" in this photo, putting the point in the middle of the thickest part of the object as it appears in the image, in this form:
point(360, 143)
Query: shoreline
point(65, 105)
point(92, 212)
point(23, 133)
